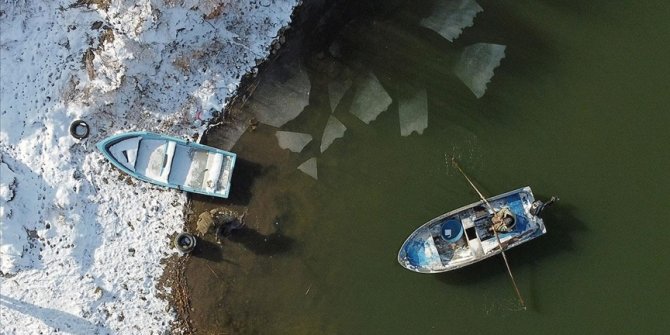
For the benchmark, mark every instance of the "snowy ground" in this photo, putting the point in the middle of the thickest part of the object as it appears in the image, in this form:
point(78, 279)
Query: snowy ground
point(81, 244)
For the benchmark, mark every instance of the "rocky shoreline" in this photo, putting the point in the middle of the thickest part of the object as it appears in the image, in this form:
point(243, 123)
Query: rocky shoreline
point(196, 274)
point(232, 119)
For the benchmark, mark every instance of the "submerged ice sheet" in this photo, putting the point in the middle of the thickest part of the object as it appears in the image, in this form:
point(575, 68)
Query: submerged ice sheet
point(309, 168)
point(293, 141)
point(370, 99)
point(334, 130)
point(450, 17)
point(413, 113)
point(281, 96)
point(475, 68)
point(336, 91)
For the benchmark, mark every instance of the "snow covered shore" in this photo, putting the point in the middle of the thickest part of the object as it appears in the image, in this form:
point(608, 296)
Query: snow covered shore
point(81, 244)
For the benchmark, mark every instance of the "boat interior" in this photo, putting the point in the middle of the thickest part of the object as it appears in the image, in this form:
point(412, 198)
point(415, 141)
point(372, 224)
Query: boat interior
point(175, 164)
point(478, 239)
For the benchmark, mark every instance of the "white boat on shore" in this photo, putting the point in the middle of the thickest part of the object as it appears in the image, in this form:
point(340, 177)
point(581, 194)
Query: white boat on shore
point(171, 162)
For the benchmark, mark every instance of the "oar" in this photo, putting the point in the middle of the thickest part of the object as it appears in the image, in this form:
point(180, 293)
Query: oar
point(502, 249)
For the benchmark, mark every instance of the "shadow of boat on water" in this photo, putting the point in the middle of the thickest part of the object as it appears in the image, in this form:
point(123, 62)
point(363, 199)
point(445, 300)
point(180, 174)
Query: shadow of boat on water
point(561, 224)
point(245, 175)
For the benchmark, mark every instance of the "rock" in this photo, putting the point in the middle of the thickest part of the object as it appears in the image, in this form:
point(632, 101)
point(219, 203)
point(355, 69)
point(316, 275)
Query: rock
point(223, 215)
point(216, 217)
point(205, 221)
point(225, 229)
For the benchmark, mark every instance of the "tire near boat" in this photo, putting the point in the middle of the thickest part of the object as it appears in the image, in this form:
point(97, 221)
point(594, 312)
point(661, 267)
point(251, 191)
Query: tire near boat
point(185, 242)
point(79, 129)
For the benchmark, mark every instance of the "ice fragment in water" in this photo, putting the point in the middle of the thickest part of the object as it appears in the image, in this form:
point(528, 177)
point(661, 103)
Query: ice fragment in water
point(336, 91)
point(450, 17)
point(370, 99)
point(309, 167)
point(475, 68)
point(334, 130)
point(413, 112)
point(281, 96)
point(293, 141)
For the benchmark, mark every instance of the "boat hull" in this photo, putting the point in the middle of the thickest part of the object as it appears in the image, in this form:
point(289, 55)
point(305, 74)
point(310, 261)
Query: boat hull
point(462, 237)
point(171, 162)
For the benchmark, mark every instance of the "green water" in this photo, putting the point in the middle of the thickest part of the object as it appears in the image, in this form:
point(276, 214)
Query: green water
point(578, 108)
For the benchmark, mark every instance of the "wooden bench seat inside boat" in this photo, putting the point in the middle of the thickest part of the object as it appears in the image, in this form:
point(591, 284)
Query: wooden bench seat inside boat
point(196, 168)
point(154, 159)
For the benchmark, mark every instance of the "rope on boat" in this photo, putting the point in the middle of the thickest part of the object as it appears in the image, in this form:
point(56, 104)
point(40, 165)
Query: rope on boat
point(495, 231)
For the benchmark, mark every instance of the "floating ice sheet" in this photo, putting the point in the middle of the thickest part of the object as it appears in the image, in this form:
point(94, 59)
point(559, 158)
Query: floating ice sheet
point(336, 91)
point(334, 130)
point(293, 141)
point(370, 99)
point(413, 113)
point(450, 17)
point(281, 96)
point(475, 68)
point(309, 168)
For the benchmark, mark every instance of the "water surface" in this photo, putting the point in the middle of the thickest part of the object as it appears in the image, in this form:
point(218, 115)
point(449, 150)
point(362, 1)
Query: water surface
point(577, 108)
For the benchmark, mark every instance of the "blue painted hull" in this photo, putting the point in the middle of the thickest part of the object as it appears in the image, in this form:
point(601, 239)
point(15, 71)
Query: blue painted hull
point(180, 166)
point(463, 236)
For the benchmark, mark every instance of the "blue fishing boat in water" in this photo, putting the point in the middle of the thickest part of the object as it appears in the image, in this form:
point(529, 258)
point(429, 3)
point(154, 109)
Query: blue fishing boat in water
point(171, 162)
point(468, 234)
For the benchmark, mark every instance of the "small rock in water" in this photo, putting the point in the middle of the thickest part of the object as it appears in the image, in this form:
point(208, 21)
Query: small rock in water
point(205, 222)
point(223, 215)
point(227, 228)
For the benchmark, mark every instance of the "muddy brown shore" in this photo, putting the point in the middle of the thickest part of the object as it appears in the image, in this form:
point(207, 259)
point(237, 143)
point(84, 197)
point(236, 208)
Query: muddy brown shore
point(263, 197)
point(199, 281)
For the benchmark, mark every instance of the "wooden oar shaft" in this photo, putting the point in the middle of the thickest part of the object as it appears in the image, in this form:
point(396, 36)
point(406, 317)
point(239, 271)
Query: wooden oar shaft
point(509, 271)
point(502, 249)
point(471, 184)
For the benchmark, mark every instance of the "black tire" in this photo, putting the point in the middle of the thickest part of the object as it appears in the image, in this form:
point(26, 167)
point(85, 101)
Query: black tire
point(185, 242)
point(76, 129)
